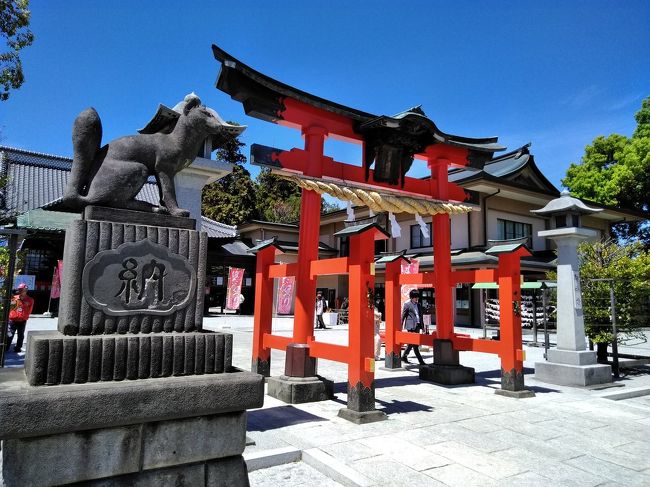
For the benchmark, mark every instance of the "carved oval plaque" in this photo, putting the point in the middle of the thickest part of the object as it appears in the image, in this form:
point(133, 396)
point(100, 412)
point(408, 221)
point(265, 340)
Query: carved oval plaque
point(138, 278)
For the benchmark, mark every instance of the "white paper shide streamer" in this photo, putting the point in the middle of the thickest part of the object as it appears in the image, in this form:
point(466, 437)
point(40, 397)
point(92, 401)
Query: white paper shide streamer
point(423, 226)
point(395, 229)
point(350, 212)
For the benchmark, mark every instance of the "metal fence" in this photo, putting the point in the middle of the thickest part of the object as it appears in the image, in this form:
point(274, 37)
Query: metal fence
point(617, 313)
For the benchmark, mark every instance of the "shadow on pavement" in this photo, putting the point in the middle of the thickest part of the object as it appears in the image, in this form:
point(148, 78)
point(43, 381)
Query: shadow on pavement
point(279, 417)
point(396, 407)
point(492, 378)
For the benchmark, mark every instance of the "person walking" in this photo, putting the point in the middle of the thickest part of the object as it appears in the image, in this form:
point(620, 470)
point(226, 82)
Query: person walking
point(19, 311)
point(412, 321)
point(377, 319)
point(321, 307)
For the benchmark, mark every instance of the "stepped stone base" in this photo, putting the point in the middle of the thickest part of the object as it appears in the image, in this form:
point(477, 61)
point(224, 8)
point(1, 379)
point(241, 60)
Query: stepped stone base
point(573, 375)
point(572, 368)
point(297, 390)
point(362, 417)
point(522, 394)
point(182, 431)
point(54, 358)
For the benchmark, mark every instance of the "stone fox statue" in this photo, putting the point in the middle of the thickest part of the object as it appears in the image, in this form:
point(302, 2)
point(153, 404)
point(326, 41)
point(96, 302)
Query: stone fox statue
point(114, 174)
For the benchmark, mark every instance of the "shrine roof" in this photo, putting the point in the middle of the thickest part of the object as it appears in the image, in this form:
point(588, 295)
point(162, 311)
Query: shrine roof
point(272, 242)
point(392, 257)
point(505, 248)
point(263, 96)
point(507, 166)
point(358, 229)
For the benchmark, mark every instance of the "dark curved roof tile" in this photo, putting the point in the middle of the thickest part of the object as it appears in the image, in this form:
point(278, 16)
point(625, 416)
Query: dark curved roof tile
point(244, 83)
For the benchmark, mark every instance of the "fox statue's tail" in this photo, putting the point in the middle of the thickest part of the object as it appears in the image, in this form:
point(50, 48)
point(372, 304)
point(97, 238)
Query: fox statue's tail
point(86, 140)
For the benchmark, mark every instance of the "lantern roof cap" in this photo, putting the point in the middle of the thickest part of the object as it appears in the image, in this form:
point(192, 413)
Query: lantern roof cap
point(566, 203)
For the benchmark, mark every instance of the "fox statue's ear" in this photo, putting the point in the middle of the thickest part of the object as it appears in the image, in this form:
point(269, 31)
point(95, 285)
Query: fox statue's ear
point(192, 102)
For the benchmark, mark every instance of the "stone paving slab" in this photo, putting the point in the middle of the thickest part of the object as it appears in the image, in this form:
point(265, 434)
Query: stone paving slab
point(610, 471)
point(456, 475)
point(297, 474)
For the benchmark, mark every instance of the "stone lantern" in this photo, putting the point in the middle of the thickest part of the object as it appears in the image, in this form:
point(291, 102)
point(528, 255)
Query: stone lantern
point(570, 363)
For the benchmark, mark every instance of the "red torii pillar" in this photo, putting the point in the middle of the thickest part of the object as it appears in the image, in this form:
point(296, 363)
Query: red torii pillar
point(262, 319)
point(446, 368)
point(300, 382)
point(298, 362)
point(361, 364)
point(511, 346)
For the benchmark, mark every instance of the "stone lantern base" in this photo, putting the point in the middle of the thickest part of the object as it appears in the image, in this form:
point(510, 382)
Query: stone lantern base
point(572, 368)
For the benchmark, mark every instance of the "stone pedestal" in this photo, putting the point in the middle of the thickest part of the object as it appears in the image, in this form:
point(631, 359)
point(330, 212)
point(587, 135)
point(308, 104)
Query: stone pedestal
point(297, 390)
point(512, 385)
point(131, 277)
point(137, 393)
point(446, 368)
point(361, 405)
point(183, 431)
point(572, 368)
point(300, 382)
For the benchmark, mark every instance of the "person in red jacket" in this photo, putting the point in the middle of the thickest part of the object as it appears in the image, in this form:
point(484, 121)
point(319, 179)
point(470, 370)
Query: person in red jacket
point(21, 308)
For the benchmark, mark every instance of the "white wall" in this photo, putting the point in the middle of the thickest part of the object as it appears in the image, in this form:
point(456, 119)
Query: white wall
point(459, 233)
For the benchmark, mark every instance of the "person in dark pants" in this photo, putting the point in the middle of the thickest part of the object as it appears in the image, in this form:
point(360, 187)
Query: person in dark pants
point(20, 309)
point(412, 321)
point(321, 307)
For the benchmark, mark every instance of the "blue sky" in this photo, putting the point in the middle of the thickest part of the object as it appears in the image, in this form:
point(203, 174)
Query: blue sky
point(554, 73)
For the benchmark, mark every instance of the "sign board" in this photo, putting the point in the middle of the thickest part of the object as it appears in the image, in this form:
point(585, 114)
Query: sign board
point(30, 280)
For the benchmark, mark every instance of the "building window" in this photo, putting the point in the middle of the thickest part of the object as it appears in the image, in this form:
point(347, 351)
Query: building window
point(507, 230)
point(417, 239)
point(380, 246)
point(40, 263)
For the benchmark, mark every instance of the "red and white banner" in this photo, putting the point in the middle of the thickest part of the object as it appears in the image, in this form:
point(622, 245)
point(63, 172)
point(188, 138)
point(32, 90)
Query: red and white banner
point(285, 294)
point(412, 268)
point(55, 291)
point(235, 279)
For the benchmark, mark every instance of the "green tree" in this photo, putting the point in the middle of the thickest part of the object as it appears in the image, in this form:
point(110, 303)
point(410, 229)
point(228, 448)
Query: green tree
point(278, 200)
point(14, 25)
point(627, 269)
point(329, 207)
point(231, 200)
point(615, 170)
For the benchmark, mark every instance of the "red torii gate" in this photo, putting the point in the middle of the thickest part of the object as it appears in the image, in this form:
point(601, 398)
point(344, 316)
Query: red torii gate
point(446, 368)
point(318, 119)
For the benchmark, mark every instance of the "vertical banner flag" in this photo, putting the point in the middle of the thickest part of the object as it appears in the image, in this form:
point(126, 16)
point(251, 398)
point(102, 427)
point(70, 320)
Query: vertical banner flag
point(412, 268)
point(55, 292)
point(285, 294)
point(235, 279)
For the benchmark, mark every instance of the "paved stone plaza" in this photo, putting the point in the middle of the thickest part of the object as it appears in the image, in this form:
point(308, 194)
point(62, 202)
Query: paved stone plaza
point(436, 435)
